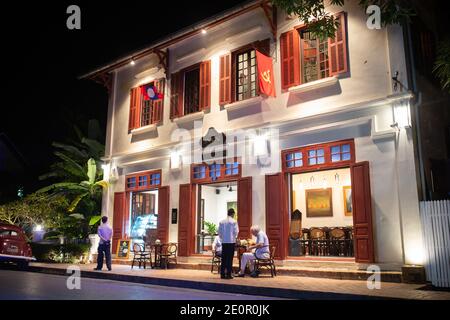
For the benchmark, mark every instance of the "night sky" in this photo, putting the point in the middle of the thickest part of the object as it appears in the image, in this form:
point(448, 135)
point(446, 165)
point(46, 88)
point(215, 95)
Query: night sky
point(42, 60)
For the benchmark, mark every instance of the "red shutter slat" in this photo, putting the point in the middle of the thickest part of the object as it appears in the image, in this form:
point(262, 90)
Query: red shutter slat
point(290, 59)
point(225, 79)
point(135, 99)
point(337, 48)
point(176, 95)
point(158, 105)
point(205, 85)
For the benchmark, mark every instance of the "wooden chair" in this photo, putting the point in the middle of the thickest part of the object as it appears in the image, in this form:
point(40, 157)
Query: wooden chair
point(337, 238)
point(318, 242)
point(268, 263)
point(141, 256)
point(168, 254)
point(216, 261)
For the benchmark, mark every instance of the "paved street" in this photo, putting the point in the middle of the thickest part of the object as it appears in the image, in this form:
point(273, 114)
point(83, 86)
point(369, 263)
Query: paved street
point(16, 285)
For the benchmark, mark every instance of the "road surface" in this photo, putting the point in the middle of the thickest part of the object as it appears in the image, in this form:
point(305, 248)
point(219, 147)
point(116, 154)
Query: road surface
point(17, 285)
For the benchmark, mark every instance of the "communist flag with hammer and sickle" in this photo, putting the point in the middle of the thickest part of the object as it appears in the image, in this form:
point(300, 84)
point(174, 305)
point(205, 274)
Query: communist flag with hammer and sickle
point(265, 74)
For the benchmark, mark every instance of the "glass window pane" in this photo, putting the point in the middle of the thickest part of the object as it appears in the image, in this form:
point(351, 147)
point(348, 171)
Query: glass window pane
point(289, 164)
point(346, 156)
point(299, 163)
point(298, 155)
point(320, 160)
point(312, 153)
point(289, 156)
point(312, 161)
point(335, 149)
point(346, 148)
point(320, 152)
point(335, 158)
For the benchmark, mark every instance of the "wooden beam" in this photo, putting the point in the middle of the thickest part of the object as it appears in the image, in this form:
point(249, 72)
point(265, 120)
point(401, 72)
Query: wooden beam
point(163, 57)
point(270, 12)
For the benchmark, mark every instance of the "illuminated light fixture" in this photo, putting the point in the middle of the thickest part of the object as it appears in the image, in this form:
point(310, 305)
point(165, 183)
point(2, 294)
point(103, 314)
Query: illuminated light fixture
point(132, 62)
point(336, 178)
point(301, 186)
point(244, 33)
point(311, 180)
point(204, 31)
point(260, 145)
point(175, 160)
point(402, 114)
point(38, 228)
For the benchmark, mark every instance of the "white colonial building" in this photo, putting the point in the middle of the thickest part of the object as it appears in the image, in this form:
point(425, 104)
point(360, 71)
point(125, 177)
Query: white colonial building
point(327, 167)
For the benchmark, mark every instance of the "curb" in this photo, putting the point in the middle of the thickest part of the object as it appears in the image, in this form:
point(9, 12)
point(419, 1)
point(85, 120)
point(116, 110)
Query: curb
point(217, 287)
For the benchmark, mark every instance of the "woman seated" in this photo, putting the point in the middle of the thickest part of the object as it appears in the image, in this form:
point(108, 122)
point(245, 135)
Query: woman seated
point(217, 246)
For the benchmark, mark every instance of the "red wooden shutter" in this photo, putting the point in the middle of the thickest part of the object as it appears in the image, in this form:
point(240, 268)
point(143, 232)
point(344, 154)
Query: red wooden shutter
point(245, 207)
point(118, 218)
point(290, 59)
point(225, 80)
point(135, 106)
point(186, 221)
point(337, 48)
point(158, 105)
point(205, 85)
point(276, 214)
point(176, 95)
point(163, 213)
point(362, 213)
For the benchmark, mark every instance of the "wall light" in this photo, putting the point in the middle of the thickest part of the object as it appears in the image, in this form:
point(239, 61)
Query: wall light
point(204, 31)
point(132, 62)
point(402, 114)
point(175, 160)
point(260, 145)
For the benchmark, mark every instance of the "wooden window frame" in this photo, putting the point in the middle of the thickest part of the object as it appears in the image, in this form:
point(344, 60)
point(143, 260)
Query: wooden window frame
point(147, 175)
point(183, 75)
point(327, 154)
point(223, 176)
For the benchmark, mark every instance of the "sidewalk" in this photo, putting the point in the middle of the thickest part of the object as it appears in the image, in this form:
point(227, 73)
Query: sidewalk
point(281, 286)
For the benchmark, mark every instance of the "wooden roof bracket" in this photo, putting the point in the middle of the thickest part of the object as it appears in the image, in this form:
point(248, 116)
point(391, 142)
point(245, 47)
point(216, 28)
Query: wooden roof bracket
point(105, 79)
point(270, 12)
point(163, 57)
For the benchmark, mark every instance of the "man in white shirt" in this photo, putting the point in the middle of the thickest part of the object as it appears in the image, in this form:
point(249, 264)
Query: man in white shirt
point(262, 251)
point(104, 247)
point(217, 246)
point(228, 232)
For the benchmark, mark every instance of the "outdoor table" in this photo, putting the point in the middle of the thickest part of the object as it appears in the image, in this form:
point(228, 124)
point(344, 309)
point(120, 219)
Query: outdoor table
point(240, 250)
point(157, 249)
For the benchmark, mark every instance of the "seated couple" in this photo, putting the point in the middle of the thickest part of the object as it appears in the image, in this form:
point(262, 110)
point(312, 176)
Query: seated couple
point(261, 250)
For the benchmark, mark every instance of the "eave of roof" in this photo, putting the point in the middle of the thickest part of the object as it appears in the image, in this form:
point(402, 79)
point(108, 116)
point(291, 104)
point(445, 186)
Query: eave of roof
point(176, 37)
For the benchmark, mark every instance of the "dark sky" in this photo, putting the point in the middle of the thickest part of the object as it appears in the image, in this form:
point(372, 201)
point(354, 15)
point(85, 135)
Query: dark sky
point(41, 93)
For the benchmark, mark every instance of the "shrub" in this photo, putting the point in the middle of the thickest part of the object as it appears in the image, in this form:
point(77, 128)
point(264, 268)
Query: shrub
point(60, 253)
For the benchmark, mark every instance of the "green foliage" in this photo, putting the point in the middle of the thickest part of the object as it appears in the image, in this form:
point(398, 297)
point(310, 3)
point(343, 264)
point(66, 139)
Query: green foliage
point(442, 64)
point(211, 228)
point(57, 253)
point(321, 24)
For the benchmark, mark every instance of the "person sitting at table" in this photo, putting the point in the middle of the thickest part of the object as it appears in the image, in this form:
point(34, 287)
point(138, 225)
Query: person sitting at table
point(217, 246)
point(261, 251)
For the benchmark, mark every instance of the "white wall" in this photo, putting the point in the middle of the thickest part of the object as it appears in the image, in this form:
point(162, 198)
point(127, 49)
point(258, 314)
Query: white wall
point(302, 182)
point(216, 204)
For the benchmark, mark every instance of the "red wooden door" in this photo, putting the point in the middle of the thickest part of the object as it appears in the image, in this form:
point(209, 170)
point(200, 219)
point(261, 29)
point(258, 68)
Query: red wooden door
point(120, 207)
point(362, 213)
point(244, 207)
point(276, 213)
point(163, 213)
point(186, 221)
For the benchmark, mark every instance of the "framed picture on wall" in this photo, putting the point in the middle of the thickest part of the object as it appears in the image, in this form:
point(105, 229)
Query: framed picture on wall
point(348, 206)
point(233, 205)
point(319, 203)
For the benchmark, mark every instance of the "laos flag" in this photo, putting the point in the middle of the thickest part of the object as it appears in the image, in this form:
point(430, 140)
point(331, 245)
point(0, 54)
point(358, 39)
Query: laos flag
point(150, 92)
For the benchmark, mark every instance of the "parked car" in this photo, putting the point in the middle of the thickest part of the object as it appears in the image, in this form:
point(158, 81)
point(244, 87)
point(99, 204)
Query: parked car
point(14, 246)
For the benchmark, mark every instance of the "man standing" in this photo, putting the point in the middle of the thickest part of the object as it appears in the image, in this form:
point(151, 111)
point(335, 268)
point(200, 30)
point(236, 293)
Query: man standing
point(104, 247)
point(262, 251)
point(228, 232)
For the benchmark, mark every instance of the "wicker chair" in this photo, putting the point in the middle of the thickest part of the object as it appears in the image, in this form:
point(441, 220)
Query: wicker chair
point(268, 263)
point(318, 242)
point(338, 245)
point(168, 254)
point(141, 256)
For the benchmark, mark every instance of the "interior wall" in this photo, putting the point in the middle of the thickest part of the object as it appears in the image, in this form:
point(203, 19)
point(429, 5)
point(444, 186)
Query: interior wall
point(317, 180)
point(216, 204)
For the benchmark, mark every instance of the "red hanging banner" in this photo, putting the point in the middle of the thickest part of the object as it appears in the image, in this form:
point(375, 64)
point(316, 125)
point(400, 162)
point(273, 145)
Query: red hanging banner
point(265, 74)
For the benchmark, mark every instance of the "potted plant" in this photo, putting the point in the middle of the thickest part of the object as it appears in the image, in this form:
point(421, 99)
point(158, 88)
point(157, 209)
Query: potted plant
point(211, 229)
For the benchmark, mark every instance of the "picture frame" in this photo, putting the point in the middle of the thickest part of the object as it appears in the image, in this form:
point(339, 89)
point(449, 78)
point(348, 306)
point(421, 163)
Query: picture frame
point(319, 203)
point(123, 249)
point(348, 204)
point(233, 205)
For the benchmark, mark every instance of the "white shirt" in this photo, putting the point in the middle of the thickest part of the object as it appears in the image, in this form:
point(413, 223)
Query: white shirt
point(228, 230)
point(261, 238)
point(217, 244)
point(104, 232)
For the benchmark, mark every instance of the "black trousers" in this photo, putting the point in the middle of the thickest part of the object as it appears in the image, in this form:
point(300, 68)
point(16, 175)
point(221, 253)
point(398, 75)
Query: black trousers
point(104, 250)
point(226, 268)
